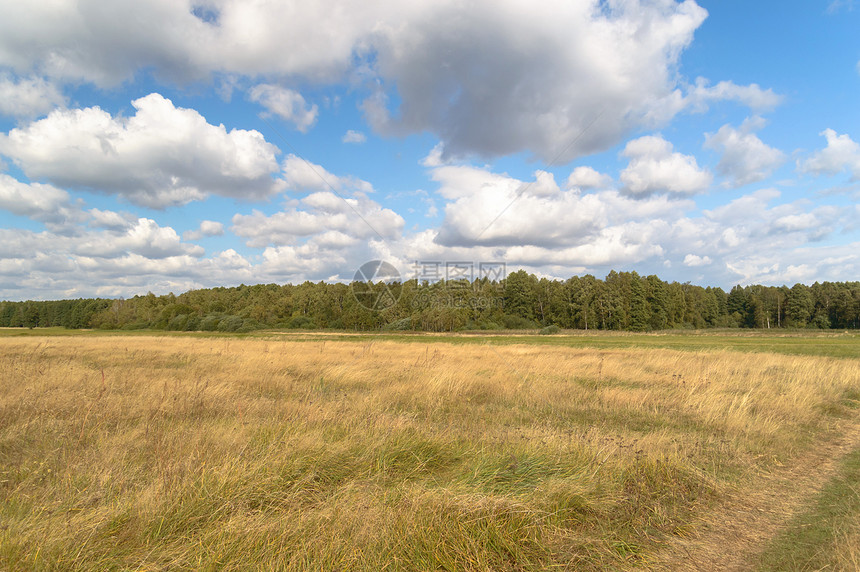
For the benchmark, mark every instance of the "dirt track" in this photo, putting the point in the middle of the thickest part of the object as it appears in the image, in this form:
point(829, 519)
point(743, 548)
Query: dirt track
point(736, 533)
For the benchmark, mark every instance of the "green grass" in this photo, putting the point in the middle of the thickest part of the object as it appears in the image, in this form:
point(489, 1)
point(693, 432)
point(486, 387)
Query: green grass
point(824, 343)
point(799, 342)
point(825, 537)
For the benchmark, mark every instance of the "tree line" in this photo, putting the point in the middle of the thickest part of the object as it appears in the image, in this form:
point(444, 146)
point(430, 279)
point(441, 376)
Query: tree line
point(621, 301)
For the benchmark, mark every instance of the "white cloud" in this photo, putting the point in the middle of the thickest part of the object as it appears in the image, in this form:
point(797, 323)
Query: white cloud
point(144, 238)
point(745, 158)
point(353, 137)
point(356, 218)
point(111, 220)
point(490, 210)
point(124, 260)
point(559, 78)
point(287, 104)
point(694, 260)
point(842, 153)
point(211, 228)
point(753, 96)
point(43, 203)
point(655, 168)
point(588, 178)
point(207, 228)
point(159, 157)
point(28, 97)
point(302, 175)
point(106, 43)
point(753, 224)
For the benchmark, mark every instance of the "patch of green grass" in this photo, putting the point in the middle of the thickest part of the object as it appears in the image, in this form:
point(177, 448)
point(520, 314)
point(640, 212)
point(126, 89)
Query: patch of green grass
point(825, 537)
point(789, 342)
point(824, 343)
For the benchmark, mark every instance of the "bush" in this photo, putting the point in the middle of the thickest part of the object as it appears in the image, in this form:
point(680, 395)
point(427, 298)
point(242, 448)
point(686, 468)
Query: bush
point(549, 330)
point(249, 325)
point(178, 323)
point(210, 323)
point(301, 323)
point(230, 324)
point(512, 322)
point(399, 325)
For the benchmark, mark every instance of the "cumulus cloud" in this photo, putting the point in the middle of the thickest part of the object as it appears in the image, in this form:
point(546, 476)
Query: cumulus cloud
point(207, 228)
point(301, 175)
point(745, 158)
point(754, 223)
point(110, 220)
point(144, 238)
point(43, 203)
point(588, 178)
point(353, 137)
point(559, 78)
point(287, 104)
point(161, 156)
point(129, 258)
point(842, 153)
point(655, 168)
point(28, 97)
point(694, 260)
point(356, 219)
point(756, 239)
point(106, 43)
point(535, 221)
point(753, 96)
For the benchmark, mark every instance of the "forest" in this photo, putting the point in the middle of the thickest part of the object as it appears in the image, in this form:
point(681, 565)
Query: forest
point(621, 301)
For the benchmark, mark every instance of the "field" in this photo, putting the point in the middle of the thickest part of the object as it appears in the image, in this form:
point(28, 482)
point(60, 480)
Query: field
point(337, 452)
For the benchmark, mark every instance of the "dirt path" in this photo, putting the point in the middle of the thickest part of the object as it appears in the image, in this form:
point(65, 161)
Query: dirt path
point(733, 535)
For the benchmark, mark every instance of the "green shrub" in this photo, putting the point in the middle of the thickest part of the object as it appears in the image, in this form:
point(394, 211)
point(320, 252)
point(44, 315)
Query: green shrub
point(399, 325)
point(230, 324)
point(512, 322)
point(302, 323)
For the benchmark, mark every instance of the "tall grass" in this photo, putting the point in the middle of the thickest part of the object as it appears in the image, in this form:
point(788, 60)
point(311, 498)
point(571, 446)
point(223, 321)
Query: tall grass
point(188, 453)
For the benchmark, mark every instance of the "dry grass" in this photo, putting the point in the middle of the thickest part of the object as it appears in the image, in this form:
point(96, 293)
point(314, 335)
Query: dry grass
point(188, 453)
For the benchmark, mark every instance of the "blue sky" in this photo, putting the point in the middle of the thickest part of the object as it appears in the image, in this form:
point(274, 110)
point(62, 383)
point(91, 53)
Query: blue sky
point(170, 145)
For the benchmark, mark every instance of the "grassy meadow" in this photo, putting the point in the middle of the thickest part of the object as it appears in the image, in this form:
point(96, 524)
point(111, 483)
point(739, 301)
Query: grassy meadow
point(152, 452)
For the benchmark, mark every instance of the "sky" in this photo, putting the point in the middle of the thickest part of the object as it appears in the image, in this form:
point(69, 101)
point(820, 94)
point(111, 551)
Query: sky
point(171, 145)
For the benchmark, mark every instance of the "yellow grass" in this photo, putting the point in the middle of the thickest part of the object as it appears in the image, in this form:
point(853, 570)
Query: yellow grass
point(186, 453)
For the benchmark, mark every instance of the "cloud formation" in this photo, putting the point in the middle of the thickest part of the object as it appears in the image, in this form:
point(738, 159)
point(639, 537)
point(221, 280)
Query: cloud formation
point(752, 96)
point(207, 228)
point(323, 215)
point(287, 104)
point(43, 203)
point(745, 158)
point(655, 169)
point(560, 79)
point(352, 136)
point(28, 97)
point(841, 154)
point(161, 156)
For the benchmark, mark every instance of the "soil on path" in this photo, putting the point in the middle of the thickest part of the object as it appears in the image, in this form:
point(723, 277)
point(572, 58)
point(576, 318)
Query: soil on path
point(731, 536)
